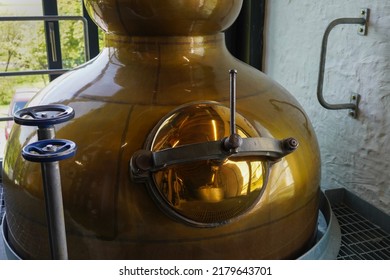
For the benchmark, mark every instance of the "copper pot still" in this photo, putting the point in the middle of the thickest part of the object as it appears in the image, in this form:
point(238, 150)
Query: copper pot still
point(161, 83)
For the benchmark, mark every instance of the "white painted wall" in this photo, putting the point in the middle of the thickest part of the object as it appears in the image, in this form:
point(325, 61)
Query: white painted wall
point(355, 152)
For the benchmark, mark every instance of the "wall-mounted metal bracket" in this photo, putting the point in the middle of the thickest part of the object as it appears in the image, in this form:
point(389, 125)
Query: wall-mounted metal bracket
point(355, 98)
point(362, 30)
point(364, 13)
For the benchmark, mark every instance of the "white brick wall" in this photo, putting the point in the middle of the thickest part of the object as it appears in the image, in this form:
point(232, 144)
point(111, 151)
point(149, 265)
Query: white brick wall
point(355, 152)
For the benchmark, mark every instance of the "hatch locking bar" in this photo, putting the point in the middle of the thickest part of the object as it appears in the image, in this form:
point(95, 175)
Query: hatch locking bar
point(144, 162)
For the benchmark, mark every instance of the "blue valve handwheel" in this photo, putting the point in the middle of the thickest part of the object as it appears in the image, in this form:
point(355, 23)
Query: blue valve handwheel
point(49, 150)
point(44, 115)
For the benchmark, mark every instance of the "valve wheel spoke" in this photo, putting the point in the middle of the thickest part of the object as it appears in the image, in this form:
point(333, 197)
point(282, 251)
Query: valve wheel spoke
point(49, 150)
point(45, 115)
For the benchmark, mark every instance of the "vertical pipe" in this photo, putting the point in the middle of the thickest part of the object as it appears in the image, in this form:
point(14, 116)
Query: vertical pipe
point(233, 76)
point(53, 201)
point(46, 132)
point(54, 210)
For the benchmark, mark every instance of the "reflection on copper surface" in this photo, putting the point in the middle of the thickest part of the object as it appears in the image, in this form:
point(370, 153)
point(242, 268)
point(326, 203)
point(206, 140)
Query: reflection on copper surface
point(207, 191)
point(119, 98)
point(145, 17)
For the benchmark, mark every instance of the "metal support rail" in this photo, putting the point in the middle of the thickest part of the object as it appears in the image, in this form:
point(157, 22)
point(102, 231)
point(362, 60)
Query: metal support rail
point(4, 119)
point(353, 106)
point(34, 72)
point(48, 18)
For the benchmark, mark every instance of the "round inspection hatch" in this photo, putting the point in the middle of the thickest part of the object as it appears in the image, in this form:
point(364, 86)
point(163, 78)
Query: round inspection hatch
point(205, 192)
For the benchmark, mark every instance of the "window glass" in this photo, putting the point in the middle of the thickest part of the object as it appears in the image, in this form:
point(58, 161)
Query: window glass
point(23, 48)
point(71, 33)
point(21, 7)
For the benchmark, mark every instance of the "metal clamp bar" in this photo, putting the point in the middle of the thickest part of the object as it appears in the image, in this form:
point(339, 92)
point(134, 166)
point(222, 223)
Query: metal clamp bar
point(144, 161)
point(353, 106)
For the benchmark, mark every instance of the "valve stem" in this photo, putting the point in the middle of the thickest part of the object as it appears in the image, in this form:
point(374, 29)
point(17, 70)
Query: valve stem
point(234, 141)
point(233, 78)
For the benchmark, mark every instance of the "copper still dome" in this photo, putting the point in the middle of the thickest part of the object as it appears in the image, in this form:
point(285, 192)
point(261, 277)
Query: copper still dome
point(162, 82)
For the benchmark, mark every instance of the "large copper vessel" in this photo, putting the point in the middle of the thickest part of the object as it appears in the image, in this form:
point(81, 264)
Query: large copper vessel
point(162, 81)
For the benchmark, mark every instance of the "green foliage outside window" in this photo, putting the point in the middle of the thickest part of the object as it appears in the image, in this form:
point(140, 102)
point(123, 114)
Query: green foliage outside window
point(23, 47)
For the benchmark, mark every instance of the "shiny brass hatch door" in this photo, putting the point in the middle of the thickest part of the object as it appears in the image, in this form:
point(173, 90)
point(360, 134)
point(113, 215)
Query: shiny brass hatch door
point(199, 172)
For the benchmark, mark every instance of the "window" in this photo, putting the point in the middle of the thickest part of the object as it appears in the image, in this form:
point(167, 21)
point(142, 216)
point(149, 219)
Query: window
point(244, 38)
point(34, 51)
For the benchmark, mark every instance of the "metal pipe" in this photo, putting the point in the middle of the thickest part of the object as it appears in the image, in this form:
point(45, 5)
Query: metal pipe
point(46, 132)
point(37, 18)
point(48, 152)
point(4, 119)
point(320, 83)
point(53, 201)
point(54, 210)
point(233, 77)
point(33, 72)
